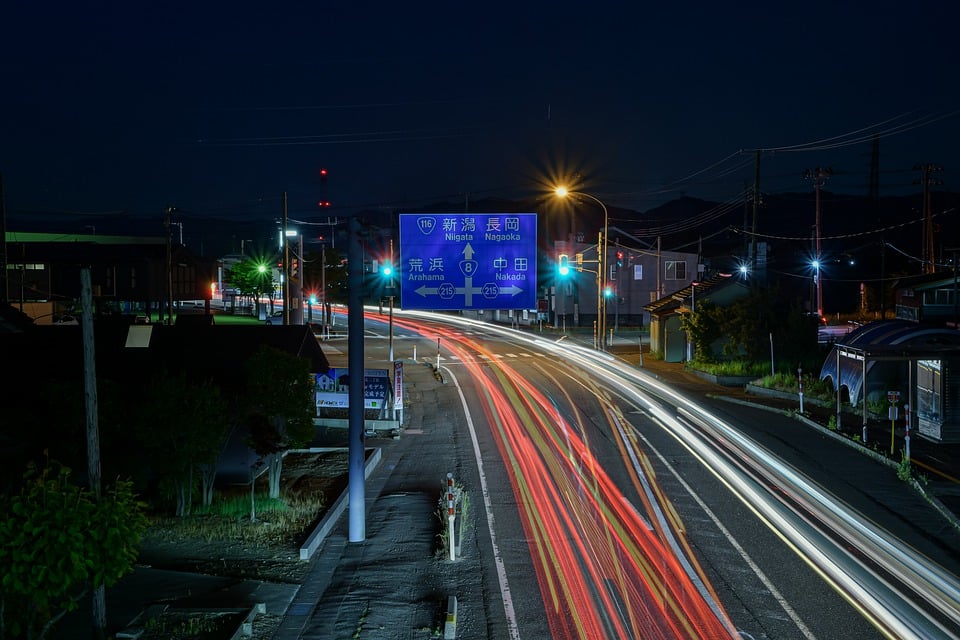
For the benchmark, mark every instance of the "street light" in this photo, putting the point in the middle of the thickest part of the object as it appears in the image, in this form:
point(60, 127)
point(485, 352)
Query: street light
point(562, 192)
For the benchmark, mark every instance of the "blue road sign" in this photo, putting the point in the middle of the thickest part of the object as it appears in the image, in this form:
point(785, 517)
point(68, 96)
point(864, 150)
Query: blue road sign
point(451, 261)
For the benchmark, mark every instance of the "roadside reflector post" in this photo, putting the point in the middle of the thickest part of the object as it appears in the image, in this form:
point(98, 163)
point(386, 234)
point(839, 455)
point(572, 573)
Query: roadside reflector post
point(451, 517)
point(800, 382)
point(906, 438)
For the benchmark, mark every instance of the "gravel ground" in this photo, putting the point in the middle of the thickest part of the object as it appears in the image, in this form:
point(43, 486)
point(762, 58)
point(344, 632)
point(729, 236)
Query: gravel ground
point(172, 544)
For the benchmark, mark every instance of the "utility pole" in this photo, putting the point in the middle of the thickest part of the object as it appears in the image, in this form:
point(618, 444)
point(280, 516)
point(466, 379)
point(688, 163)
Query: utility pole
point(928, 254)
point(756, 212)
point(5, 285)
point(99, 610)
point(285, 271)
point(819, 177)
point(168, 223)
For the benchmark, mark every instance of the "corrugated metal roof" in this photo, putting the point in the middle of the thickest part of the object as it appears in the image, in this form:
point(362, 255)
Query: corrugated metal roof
point(673, 301)
point(886, 340)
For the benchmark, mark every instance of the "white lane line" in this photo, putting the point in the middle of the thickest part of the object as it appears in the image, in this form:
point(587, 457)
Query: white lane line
point(497, 558)
point(782, 601)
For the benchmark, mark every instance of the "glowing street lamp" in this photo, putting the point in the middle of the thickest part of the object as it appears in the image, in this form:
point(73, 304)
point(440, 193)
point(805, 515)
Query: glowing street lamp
point(563, 192)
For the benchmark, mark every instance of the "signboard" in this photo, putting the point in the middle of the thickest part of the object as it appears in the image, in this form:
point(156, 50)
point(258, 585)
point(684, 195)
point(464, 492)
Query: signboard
point(398, 384)
point(456, 261)
point(333, 387)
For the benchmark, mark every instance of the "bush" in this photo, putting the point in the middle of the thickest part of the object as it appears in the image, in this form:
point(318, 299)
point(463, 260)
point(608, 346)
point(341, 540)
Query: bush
point(813, 388)
point(730, 368)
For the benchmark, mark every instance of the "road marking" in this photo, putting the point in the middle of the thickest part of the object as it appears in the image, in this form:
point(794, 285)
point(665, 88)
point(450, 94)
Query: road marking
point(497, 558)
point(733, 542)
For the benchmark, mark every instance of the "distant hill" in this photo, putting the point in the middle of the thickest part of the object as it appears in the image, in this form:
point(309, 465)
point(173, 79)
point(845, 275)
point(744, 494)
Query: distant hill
point(862, 240)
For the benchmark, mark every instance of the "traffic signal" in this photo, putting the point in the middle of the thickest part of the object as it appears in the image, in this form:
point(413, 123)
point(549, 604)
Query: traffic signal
point(608, 292)
point(323, 176)
point(313, 298)
point(579, 262)
point(619, 259)
point(323, 204)
point(387, 269)
point(563, 268)
point(294, 269)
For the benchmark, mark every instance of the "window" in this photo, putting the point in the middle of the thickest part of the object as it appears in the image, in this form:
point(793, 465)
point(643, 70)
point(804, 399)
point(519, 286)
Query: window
point(929, 389)
point(638, 272)
point(942, 297)
point(675, 270)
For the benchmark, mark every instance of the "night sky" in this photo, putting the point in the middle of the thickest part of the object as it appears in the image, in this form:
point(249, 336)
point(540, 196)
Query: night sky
point(218, 108)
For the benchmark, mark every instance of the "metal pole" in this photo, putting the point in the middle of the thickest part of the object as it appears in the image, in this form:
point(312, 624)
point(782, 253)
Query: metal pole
point(285, 272)
point(323, 290)
point(300, 268)
point(863, 392)
point(390, 286)
point(606, 240)
point(598, 330)
point(837, 383)
point(5, 283)
point(355, 360)
point(167, 222)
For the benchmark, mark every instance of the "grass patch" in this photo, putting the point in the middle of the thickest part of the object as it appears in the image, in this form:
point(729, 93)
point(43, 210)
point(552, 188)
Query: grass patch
point(813, 388)
point(228, 519)
point(730, 368)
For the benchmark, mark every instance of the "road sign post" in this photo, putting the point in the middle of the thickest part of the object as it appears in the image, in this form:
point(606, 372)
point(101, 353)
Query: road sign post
point(465, 261)
point(894, 398)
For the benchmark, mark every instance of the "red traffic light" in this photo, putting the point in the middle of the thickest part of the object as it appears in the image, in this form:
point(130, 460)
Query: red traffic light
point(323, 175)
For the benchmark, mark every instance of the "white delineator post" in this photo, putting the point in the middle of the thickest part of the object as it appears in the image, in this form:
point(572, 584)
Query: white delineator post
point(451, 517)
point(800, 382)
point(906, 438)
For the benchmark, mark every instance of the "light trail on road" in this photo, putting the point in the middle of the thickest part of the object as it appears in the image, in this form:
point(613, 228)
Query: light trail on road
point(899, 591)
point(603, 570)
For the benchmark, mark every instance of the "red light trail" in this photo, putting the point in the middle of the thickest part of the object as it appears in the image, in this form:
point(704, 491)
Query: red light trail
point(604, 570)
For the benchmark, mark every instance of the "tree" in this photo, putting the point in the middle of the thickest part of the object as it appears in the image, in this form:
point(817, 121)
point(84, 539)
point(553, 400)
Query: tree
point(745, 326)
point(281, 407)
point(705, 326)
point(252, 277)
point(183, 425)
point(57, 542)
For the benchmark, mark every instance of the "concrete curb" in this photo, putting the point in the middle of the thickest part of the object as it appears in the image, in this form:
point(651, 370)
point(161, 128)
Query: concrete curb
point(329, 520)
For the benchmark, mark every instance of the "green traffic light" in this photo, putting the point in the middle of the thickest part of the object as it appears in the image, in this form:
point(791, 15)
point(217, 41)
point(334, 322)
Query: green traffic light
point(564, 267)
point(608, 292)
point(387, 270)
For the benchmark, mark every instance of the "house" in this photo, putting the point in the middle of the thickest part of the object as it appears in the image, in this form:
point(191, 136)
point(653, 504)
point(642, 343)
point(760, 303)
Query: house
point(637, 274)
point(929, 298)
point(129, 275)
point(666, 335)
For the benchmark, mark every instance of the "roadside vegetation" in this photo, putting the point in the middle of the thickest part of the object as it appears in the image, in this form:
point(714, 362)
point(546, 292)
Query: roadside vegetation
point(160, 437)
